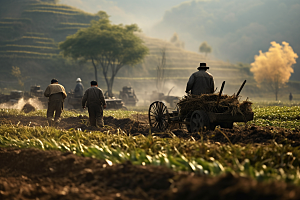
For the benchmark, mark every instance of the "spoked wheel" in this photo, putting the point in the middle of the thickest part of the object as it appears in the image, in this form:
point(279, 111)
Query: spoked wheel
point(158, 115)
point(199, 120)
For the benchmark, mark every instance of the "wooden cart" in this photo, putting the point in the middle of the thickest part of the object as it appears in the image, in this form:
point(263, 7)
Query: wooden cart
point(195, 120)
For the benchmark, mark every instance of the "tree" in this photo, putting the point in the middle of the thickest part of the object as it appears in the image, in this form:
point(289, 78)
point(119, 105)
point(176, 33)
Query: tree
point(273, 68)
point(176, 41)
point(106, 45)
point(244, 68)
point(16, 72)
point(205, 48)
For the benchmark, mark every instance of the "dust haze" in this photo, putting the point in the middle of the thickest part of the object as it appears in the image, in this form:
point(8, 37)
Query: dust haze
point(18, 105)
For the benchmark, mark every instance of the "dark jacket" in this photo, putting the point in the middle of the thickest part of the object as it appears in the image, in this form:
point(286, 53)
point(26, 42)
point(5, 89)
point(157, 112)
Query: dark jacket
point(78, 92)
point(201, 82)
point(93, 95)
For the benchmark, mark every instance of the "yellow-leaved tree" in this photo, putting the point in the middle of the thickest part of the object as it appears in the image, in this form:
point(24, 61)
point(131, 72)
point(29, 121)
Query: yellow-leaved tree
point(274, 67)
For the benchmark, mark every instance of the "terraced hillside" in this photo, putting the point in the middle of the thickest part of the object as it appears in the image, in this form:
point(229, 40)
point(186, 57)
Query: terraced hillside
point(29, 34)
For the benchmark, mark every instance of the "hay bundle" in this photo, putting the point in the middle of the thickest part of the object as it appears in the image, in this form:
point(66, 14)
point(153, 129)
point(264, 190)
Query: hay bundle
point(207, 102)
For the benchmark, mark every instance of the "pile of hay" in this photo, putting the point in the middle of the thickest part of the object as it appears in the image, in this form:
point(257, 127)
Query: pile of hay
point(207, 102)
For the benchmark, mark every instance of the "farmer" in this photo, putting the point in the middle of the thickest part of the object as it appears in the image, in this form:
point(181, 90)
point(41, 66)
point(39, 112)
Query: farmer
point(291, 96)
point(56, 94)
point(201, 82)
point(93, 98)
point(78, 92)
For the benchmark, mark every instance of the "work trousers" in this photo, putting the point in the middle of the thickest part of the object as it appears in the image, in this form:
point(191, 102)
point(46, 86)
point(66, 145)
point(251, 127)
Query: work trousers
point(55, 104)
point(95, 114)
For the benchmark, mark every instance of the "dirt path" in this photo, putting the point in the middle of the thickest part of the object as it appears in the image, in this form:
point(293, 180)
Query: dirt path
point(37, 174)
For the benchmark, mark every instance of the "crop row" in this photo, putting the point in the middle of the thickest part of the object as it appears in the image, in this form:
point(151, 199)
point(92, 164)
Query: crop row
point(26, 57)
point(279, 113)
point(37, 38)
point(68, 28)
point(30, 46)
point(262, 162)
point(27, 52)
point(285, 117)
point(50, 12)
point(71, 10)
point(74, 24)
point(119, 114)
point(12, 20)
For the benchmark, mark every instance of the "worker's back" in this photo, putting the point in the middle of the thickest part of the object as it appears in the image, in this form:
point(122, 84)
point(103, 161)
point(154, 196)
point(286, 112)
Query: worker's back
point(201, 82)
point(78, 92)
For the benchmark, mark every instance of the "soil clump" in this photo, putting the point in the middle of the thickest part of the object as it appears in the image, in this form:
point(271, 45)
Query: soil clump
point(27, 108)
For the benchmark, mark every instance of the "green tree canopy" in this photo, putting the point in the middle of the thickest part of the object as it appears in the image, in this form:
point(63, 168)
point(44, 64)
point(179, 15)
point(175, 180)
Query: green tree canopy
point(106, 45)
point(205, 48)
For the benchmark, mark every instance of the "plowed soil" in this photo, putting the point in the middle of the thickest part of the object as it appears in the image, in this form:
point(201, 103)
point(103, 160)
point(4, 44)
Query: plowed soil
point(37, 174)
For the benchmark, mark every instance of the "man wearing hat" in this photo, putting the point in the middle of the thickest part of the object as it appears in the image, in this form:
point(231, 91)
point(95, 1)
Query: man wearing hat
point(201, 82)
point(56, 94)
point(78, 92)
point(93, 98)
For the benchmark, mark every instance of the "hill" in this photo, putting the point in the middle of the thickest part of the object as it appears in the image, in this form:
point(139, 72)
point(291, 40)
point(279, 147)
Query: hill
point(32, 29)
point(29, 34)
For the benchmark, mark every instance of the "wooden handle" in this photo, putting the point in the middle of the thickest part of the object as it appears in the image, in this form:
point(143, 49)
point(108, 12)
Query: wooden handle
point(220, 93)
point(237, 94)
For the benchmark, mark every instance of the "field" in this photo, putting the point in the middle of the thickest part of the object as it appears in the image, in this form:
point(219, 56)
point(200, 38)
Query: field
point(127, 160)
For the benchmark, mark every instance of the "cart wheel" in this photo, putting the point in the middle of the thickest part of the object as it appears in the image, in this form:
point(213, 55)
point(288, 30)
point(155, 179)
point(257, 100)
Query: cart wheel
point(158, 115)
point(199, 120)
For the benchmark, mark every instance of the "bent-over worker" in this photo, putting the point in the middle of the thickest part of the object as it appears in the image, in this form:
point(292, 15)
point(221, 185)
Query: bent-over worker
point(78, 92)
point(56, 94)
point(201, 82)
point(93, 98)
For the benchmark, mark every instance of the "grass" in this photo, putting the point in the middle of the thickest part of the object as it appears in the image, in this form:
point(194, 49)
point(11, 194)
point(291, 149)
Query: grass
point(284, 117)
point(119, 114)
point(278, 116)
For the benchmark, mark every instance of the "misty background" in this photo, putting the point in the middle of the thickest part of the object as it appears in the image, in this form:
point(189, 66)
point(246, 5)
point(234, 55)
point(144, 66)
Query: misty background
point(236, 31)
